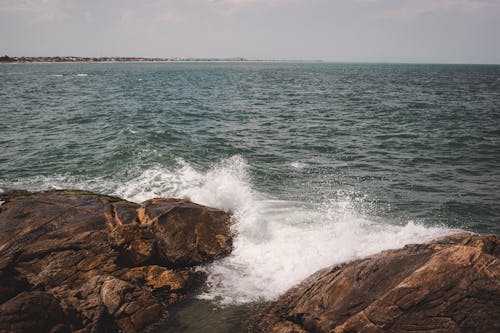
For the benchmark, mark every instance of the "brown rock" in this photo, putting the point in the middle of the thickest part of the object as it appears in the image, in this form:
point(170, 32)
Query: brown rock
point(35, 311)
point(163, 279)
point(112, 293)
point(188, 234)
point(160, 278)
point(73, 260)
point(449, 285)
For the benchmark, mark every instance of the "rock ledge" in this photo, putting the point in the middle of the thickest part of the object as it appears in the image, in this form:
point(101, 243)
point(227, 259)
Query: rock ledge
point(451, 284)
point(77, 261)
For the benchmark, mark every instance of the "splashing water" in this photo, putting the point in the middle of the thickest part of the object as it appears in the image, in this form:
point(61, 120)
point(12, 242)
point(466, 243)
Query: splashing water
point(277, 243)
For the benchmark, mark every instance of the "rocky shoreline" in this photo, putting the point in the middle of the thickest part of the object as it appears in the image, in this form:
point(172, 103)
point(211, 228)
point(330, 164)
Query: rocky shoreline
point(76, 261)
point(451, 284)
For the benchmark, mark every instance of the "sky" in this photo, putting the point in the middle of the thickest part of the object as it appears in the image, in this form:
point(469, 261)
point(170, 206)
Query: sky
point(436, 31)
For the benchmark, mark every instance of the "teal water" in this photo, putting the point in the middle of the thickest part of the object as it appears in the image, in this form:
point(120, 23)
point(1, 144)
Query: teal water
point(421, 141)
point(318, 161)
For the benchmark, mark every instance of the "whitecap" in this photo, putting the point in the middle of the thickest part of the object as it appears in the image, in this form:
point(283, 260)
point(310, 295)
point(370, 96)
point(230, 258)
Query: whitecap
point(131, 130)
point(298, 165)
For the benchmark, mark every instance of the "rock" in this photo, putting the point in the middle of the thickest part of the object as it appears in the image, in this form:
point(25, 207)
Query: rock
point(449, 285)
point(35, 311)
point(112, 293)
point(74, 260)
point(188, 234)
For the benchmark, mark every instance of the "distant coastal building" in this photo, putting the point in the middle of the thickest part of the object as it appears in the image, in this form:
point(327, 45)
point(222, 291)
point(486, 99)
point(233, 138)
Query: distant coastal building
point(6, 58)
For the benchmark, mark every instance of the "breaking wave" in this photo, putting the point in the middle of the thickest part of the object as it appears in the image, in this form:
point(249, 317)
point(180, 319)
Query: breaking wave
point(277, 243)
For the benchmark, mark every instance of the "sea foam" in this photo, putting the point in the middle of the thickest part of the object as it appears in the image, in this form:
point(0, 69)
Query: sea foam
point(277, 243)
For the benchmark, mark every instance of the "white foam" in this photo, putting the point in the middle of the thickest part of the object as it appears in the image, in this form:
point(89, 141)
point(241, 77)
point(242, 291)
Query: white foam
point(296, 242)
point(278, 243)
point(82, 74)
point(298, 165)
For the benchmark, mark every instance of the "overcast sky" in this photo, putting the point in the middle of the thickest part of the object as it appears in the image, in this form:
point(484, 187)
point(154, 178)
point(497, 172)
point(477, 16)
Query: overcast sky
point(456, 31)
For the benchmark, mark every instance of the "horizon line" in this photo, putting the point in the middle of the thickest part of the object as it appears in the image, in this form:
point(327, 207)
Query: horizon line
point(110, 59)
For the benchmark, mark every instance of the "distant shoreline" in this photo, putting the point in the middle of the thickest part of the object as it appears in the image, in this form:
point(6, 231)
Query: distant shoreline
point(71, 59)
point(115, 59)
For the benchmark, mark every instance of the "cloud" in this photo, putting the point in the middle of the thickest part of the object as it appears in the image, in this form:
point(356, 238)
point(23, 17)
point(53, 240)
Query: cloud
point(247, 2)
point(38, 10)
point(407, 10)
point(128, 17)
point(168, 17)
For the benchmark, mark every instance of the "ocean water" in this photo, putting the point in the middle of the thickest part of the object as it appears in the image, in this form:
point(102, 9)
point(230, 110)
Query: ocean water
point(320, 163)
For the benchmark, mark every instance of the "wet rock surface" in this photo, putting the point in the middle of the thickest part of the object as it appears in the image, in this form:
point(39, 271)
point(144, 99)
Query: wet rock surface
point(79, 261)
point(449, 285)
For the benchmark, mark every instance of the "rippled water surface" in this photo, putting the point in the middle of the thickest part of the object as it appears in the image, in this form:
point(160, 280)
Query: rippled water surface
point(320, 163)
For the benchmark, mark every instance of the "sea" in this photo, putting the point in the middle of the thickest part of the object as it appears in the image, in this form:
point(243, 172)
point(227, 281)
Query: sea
point(318, 163)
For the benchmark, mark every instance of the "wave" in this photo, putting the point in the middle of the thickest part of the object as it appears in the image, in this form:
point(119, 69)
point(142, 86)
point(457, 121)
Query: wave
point(277, 243)
point(298, 165)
